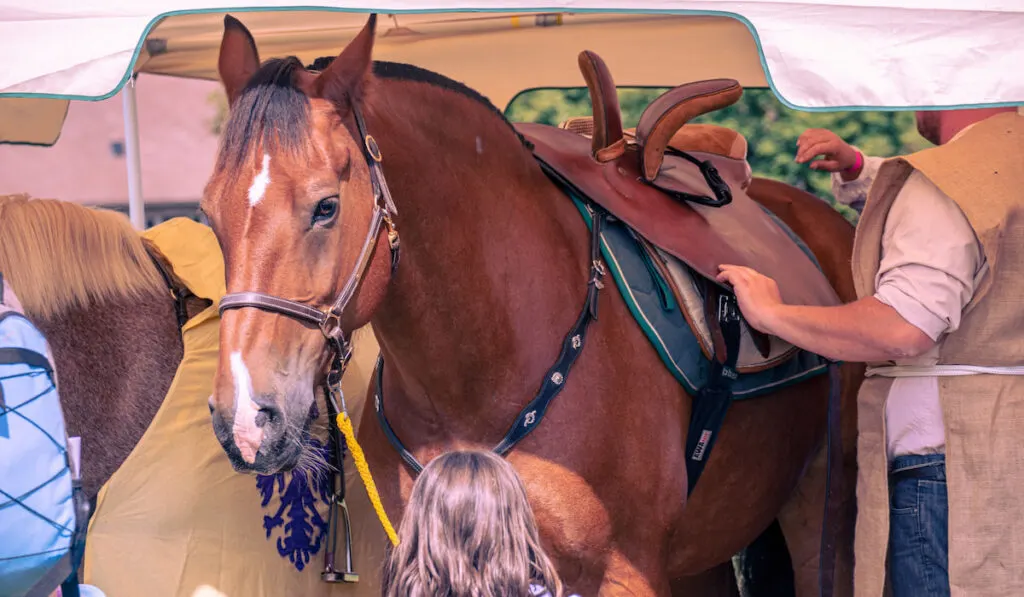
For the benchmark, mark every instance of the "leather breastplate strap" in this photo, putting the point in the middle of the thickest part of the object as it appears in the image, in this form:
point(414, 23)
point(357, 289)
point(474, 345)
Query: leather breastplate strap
point(554, 381)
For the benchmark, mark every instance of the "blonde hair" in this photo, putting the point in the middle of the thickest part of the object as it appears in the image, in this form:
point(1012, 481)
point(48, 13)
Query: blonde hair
point(468, 531)
point(60, 255)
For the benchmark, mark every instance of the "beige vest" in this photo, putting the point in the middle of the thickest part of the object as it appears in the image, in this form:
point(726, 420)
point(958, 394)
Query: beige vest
point(175, 520)
point(983, 172)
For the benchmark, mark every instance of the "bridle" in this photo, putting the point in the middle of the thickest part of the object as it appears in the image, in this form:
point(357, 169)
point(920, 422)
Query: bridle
point(329, 322)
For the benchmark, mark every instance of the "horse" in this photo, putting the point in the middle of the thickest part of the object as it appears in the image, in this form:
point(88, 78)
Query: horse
point(103, 297)
point(316, 173)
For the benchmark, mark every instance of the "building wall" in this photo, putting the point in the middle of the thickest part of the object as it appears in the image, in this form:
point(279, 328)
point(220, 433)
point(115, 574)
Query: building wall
point(88, 163)
point(161, 212)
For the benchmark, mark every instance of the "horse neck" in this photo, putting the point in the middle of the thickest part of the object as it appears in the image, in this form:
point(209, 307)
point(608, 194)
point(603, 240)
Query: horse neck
point(493, 263)
point(115, 363)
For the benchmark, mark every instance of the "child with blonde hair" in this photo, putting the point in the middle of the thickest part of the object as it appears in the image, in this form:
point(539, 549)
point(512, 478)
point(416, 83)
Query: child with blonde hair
point(468, 531)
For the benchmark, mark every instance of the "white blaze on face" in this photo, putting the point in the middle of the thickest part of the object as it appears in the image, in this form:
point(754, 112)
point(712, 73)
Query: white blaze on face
point(247, 435)
point(260, 182)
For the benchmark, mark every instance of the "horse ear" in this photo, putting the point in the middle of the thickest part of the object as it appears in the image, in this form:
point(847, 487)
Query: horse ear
point(344, 81)
point(239, 60)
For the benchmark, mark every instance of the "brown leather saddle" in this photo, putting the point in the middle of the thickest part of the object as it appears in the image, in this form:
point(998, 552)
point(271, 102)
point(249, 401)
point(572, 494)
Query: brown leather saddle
point(677, 202)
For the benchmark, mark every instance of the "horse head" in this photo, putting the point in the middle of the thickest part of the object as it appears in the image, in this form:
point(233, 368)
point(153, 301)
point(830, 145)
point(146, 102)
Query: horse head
point(299, 206)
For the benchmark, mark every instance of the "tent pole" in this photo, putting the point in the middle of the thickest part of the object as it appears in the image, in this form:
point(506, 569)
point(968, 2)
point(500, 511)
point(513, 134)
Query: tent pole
point(136, 204)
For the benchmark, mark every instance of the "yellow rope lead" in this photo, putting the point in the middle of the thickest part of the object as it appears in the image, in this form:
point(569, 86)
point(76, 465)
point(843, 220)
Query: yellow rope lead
point(345, 424)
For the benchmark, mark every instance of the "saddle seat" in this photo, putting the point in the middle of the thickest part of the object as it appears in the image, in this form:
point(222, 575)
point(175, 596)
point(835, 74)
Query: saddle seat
point(724, 147)
point(658, 191)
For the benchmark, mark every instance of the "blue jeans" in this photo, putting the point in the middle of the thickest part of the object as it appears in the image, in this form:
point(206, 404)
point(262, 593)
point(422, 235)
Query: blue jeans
point(918, 526)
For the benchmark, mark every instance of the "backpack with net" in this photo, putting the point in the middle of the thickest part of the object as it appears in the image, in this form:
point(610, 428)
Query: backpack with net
point(41, 500)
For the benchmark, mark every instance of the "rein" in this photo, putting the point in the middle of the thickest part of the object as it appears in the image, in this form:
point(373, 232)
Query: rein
point(179, 294)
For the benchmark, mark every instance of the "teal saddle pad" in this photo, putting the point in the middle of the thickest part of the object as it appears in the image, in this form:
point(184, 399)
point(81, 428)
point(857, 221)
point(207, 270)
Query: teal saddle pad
point(651, 300)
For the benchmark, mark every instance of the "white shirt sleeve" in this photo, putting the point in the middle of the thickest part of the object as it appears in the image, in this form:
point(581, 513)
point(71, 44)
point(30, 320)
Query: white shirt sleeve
point(855, 192)
point(930, 258)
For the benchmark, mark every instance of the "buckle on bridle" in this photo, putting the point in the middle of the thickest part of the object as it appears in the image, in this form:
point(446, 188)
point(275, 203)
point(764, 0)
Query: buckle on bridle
point(331, 326)
point(372, 149)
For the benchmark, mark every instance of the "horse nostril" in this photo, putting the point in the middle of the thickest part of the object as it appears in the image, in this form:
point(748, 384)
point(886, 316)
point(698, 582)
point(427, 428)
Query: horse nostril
point(265, 415)
point(210, 404)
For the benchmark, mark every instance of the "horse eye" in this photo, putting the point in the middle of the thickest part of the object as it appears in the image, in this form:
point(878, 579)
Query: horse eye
point(325, 210)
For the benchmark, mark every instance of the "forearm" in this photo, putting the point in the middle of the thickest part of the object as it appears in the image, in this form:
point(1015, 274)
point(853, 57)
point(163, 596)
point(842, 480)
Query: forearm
point(864, 331)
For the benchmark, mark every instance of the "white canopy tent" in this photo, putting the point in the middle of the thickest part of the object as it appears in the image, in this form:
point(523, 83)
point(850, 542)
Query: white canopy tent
point(821, 55)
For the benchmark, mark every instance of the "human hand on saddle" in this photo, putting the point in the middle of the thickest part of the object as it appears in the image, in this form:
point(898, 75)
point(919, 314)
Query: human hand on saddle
point(758, 295)
point(834, 154)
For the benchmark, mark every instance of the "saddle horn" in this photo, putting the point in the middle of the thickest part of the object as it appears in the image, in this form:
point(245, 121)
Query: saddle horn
point(663, 118)
point(605, 101)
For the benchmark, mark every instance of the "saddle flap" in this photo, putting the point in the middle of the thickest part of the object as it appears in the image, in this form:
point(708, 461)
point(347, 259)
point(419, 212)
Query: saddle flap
point(663, 118)
point(605, 100)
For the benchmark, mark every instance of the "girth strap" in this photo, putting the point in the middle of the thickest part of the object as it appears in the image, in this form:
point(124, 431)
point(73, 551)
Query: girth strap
point(712, 402)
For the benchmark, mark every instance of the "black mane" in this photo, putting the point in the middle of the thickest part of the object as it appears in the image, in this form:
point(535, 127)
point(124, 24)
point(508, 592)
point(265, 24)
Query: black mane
point(270, 109)
point(407, 72)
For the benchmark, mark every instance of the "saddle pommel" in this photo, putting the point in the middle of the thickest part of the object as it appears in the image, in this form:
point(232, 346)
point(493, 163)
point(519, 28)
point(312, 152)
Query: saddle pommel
point(663, 118)
point(605, 100)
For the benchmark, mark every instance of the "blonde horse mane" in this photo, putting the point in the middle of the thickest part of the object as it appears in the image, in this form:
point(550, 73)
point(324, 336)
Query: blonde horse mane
point(59, 256)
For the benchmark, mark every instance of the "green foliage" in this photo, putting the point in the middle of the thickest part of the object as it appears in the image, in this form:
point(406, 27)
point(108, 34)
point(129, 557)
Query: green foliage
point(770, 127)
point(219, 101)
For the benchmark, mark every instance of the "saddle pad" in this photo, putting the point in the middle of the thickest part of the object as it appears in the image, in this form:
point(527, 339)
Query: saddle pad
point(703, 237)
point(649, 298)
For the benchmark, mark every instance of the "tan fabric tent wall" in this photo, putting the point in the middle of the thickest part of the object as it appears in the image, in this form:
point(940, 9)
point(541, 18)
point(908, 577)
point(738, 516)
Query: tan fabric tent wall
point(498, 54)
point(34, 121)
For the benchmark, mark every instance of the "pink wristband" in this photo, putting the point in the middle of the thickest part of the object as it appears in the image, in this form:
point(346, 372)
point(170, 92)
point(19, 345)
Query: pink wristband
point(856, 164)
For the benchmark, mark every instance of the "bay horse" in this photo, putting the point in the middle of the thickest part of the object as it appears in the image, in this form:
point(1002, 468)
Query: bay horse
point(494, 260)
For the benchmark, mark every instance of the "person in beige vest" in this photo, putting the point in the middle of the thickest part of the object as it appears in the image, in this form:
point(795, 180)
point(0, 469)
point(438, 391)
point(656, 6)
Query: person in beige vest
point(938, 265)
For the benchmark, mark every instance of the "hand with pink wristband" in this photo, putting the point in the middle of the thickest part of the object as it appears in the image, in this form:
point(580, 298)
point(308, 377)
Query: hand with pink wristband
point(832, 153)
